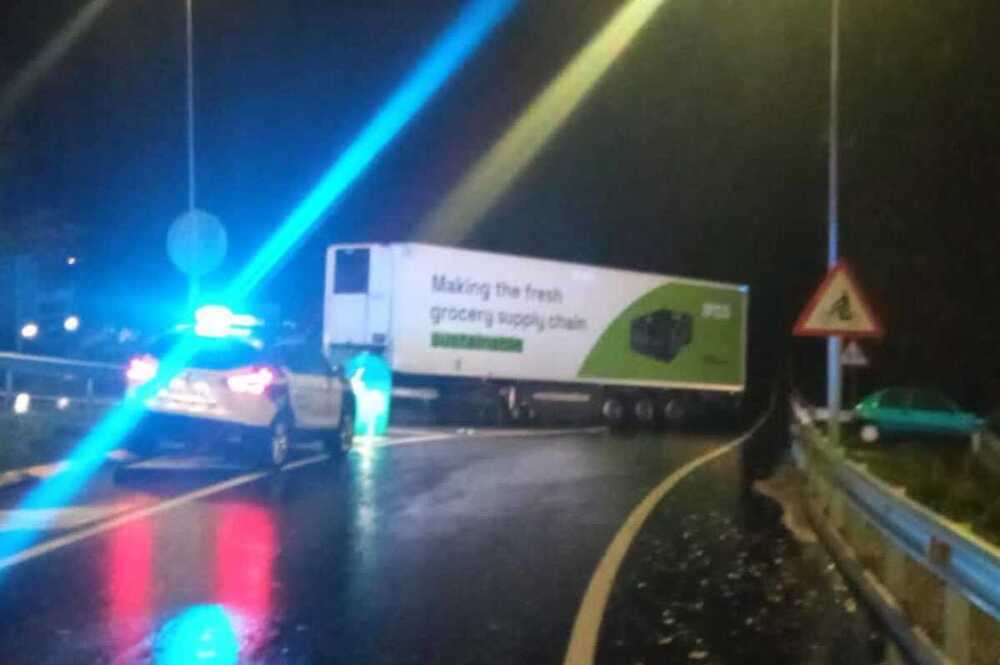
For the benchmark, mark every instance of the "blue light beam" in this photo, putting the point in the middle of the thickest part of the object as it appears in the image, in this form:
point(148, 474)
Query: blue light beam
point(20, 528)
point(475, 22)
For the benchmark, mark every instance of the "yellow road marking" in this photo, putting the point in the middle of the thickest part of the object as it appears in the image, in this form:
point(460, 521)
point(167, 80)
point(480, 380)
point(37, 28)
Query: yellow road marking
point(587, 626)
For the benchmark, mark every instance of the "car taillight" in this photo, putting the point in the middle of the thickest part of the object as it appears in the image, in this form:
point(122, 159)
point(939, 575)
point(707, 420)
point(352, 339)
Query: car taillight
point(141, 369)
point(254, 381)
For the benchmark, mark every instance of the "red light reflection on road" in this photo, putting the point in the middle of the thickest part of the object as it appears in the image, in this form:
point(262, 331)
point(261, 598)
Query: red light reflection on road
point(129, 584)
point(245, 551)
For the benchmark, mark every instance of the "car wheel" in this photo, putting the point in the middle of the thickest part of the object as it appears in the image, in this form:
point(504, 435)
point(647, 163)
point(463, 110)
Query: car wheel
point(341, 440)
point(869, 433)
point(278, 442)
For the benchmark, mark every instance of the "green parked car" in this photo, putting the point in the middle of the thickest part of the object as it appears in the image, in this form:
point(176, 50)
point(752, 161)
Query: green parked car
point(893, 411)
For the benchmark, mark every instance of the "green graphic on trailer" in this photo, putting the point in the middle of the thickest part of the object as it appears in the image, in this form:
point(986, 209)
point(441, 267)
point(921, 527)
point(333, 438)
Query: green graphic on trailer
point(676, 332)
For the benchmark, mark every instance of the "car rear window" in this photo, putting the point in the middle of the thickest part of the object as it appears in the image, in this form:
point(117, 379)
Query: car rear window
point(226, 353)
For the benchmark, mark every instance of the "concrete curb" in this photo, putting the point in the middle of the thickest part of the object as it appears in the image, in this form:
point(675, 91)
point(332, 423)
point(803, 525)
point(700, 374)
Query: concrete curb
point(29, 474)
point(39, 472)
point(908, 638)
point(9, 479)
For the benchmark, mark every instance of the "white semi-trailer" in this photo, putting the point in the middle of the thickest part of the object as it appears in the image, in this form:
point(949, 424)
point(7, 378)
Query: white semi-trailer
point(479, 334)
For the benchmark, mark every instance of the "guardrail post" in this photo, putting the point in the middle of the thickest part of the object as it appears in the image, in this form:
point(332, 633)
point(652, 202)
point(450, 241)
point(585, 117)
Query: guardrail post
point(837, 508)
point(956, 627)
point(89, 397)
point(894, 570)
point(857, 527)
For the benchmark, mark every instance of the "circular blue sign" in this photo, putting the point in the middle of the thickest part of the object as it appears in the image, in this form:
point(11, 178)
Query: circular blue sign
point(197, 243)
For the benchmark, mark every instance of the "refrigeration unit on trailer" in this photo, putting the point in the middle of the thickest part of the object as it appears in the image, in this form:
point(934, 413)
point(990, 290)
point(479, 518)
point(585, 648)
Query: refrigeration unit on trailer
point(469, 328)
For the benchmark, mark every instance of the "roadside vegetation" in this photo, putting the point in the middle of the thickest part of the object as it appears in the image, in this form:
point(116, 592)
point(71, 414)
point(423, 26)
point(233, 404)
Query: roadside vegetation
point(944, 475)
point(30, 439)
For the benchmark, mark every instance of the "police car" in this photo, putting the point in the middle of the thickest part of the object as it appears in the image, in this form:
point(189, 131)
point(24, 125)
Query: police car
point(244, 396)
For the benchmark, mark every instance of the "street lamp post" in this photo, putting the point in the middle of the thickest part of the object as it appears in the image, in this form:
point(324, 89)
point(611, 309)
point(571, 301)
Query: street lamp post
point(193, 280)
point(833, 370)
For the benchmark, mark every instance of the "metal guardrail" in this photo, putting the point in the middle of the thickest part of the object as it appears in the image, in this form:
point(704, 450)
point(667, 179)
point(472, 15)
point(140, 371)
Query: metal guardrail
point(63, 384)
point(966, 567)
point(945, 547)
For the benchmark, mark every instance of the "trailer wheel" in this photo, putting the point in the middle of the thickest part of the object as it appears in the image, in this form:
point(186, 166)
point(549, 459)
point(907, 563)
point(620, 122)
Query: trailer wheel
point(613, 410)
point(674, 411)
point(644, 411)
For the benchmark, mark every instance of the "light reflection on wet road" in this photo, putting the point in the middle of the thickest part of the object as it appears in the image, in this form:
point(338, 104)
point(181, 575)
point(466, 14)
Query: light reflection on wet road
point(470, 549)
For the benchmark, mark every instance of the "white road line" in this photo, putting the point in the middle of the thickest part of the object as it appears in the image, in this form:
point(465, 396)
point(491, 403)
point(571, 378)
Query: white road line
point(512, 433)
point(587, 626)
point(408, 440)
point(163, 506)
point(63, 541)
point(54, 518)
point(298, 464)
point(169, 504)
point(411, 431)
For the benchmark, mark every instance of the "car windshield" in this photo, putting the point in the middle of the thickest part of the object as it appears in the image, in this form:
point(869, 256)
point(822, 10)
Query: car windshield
point(895, 398)
point(592, 332)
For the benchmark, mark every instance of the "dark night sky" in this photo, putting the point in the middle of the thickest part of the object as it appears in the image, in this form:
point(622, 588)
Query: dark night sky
point(702, 152)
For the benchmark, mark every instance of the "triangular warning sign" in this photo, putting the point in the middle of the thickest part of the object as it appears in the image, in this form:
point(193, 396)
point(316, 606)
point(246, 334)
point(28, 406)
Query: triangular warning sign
point(838, 308)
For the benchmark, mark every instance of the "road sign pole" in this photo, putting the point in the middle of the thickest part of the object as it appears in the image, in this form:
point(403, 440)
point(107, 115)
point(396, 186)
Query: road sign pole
point(833, 387)
point(193, 291)
point(190, 104)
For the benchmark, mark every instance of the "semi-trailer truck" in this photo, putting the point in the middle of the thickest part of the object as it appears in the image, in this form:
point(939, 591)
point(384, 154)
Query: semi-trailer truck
point(478, 335)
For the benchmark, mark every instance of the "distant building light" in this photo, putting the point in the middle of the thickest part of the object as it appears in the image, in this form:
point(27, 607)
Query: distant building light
point(29, 330)
point(72, 323)
point(22, 403)
point(62, 403)
point(71, 260)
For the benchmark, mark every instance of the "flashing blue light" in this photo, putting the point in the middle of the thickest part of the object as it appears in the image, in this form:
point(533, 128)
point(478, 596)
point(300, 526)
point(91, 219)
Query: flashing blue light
point(202, 634)
point(220, 321)
point(476, 21)
point(452, 49)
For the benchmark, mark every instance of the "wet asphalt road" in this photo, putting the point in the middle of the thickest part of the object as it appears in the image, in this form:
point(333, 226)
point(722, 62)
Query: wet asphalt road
point(466, 549)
